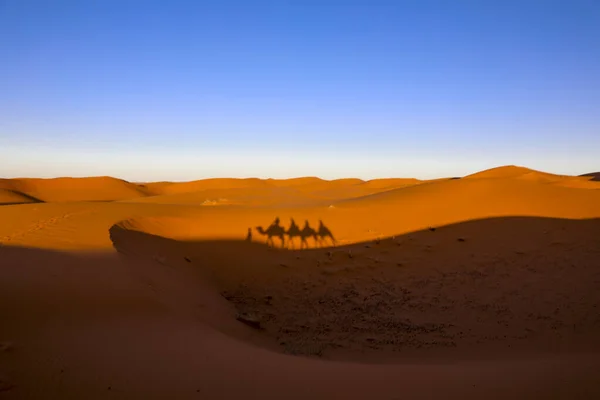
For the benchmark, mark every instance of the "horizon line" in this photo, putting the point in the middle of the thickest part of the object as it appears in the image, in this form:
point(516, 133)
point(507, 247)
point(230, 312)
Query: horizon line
point(298, 177)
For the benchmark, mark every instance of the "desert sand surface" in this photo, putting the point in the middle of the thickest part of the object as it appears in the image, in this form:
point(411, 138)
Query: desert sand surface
point(485, 286)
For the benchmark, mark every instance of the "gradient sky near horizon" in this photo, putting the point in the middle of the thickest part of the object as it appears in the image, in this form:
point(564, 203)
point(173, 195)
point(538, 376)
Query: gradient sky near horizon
point(180, 90)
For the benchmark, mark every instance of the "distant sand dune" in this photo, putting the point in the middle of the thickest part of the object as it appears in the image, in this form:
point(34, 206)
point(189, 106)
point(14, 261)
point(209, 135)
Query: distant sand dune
point(205, 184)
point(75, 189)
point(250, 191)
point(507, 171)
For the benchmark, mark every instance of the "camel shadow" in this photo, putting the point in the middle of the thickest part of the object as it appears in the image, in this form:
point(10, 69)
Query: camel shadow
point(321, 236)
point(274, 230)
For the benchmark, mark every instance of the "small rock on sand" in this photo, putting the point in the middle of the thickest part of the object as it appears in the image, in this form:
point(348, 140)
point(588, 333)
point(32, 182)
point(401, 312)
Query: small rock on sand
point(249, 319)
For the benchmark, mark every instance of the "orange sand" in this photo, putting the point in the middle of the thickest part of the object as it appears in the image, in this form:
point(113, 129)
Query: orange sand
point(481, 287)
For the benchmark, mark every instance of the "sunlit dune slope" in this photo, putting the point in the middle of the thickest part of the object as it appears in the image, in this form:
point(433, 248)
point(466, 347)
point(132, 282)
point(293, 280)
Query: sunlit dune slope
point(350, 214)
point(340, 189)
point(505, 171)
point(249, 196)
point(307, 191)
point(390, 183)
point(254, 192)
point(302, 181)
point(463, 199)
point(405, 209)
point(516, 172)
point(163, 188)
point(75, 189)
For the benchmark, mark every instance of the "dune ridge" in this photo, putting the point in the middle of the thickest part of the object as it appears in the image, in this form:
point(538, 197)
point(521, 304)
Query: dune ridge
point(249, 191)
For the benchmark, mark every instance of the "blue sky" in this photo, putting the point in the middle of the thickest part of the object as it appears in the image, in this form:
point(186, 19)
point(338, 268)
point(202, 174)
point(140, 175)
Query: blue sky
point(180, 90)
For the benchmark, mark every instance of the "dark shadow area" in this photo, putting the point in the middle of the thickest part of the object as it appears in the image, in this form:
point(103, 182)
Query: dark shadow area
point(16, 204)
point(97, 325)
point(516, 296)
point(595, 176)
point(21, 194)
point(320, 237)
point(497, 287)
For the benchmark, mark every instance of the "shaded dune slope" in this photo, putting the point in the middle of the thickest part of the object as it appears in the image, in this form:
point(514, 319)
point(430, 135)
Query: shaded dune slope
point(474, 287)
point(88, 328)
point(595, 176)
point(9, 196)
point(288, 192)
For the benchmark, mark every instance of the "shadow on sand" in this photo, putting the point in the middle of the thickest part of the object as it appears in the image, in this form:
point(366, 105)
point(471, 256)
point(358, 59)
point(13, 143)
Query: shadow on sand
point(435, 289)
point(31, 199)
point(135, 325)
point(595, 176)
point(321, 236)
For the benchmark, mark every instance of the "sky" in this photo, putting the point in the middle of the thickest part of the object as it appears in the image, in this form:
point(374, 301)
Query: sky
point(180, 90)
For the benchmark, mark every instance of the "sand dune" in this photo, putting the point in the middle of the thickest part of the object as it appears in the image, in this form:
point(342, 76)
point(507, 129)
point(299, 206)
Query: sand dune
point(522, 173)
point(75, 189)
point(507, 171)
point(286, 192)
point(481, 287)
point(205, 184)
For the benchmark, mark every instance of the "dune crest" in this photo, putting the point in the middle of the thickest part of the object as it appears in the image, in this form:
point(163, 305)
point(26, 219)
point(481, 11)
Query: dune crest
point(506, 171)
